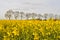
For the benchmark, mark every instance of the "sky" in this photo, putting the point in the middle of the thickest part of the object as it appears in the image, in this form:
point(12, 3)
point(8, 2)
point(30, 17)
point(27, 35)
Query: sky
point(36, 6)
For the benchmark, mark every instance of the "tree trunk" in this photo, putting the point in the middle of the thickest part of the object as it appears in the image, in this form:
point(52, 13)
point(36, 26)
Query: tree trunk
point(9, 18)
point(27, 18)
point(16, 18)
point(21, 17)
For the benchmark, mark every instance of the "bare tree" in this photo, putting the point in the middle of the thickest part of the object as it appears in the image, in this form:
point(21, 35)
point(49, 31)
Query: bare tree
point(33, 15)
point(45, 16)
point(22, 14)
point(9, 14)
point(51, 16)
point(16, 14)
point(59, 17)
point(39, 16)
point(56, 17)
point(28, 16)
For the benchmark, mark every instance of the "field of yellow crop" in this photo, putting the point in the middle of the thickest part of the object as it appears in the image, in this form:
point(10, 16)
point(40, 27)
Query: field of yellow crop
point(29, 30)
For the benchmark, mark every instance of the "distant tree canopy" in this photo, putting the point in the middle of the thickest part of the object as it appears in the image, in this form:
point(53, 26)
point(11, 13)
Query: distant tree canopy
point(22, 15)
point(16, 14)
point(8, 14)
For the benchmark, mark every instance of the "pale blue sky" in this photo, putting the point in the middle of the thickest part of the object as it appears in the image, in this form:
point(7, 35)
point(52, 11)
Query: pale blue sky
point(37, 6)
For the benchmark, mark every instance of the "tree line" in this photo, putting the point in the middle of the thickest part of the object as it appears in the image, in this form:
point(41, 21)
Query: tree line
point(28, 16)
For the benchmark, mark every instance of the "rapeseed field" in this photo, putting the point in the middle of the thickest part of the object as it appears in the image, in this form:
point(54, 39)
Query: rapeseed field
point(29, 30)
